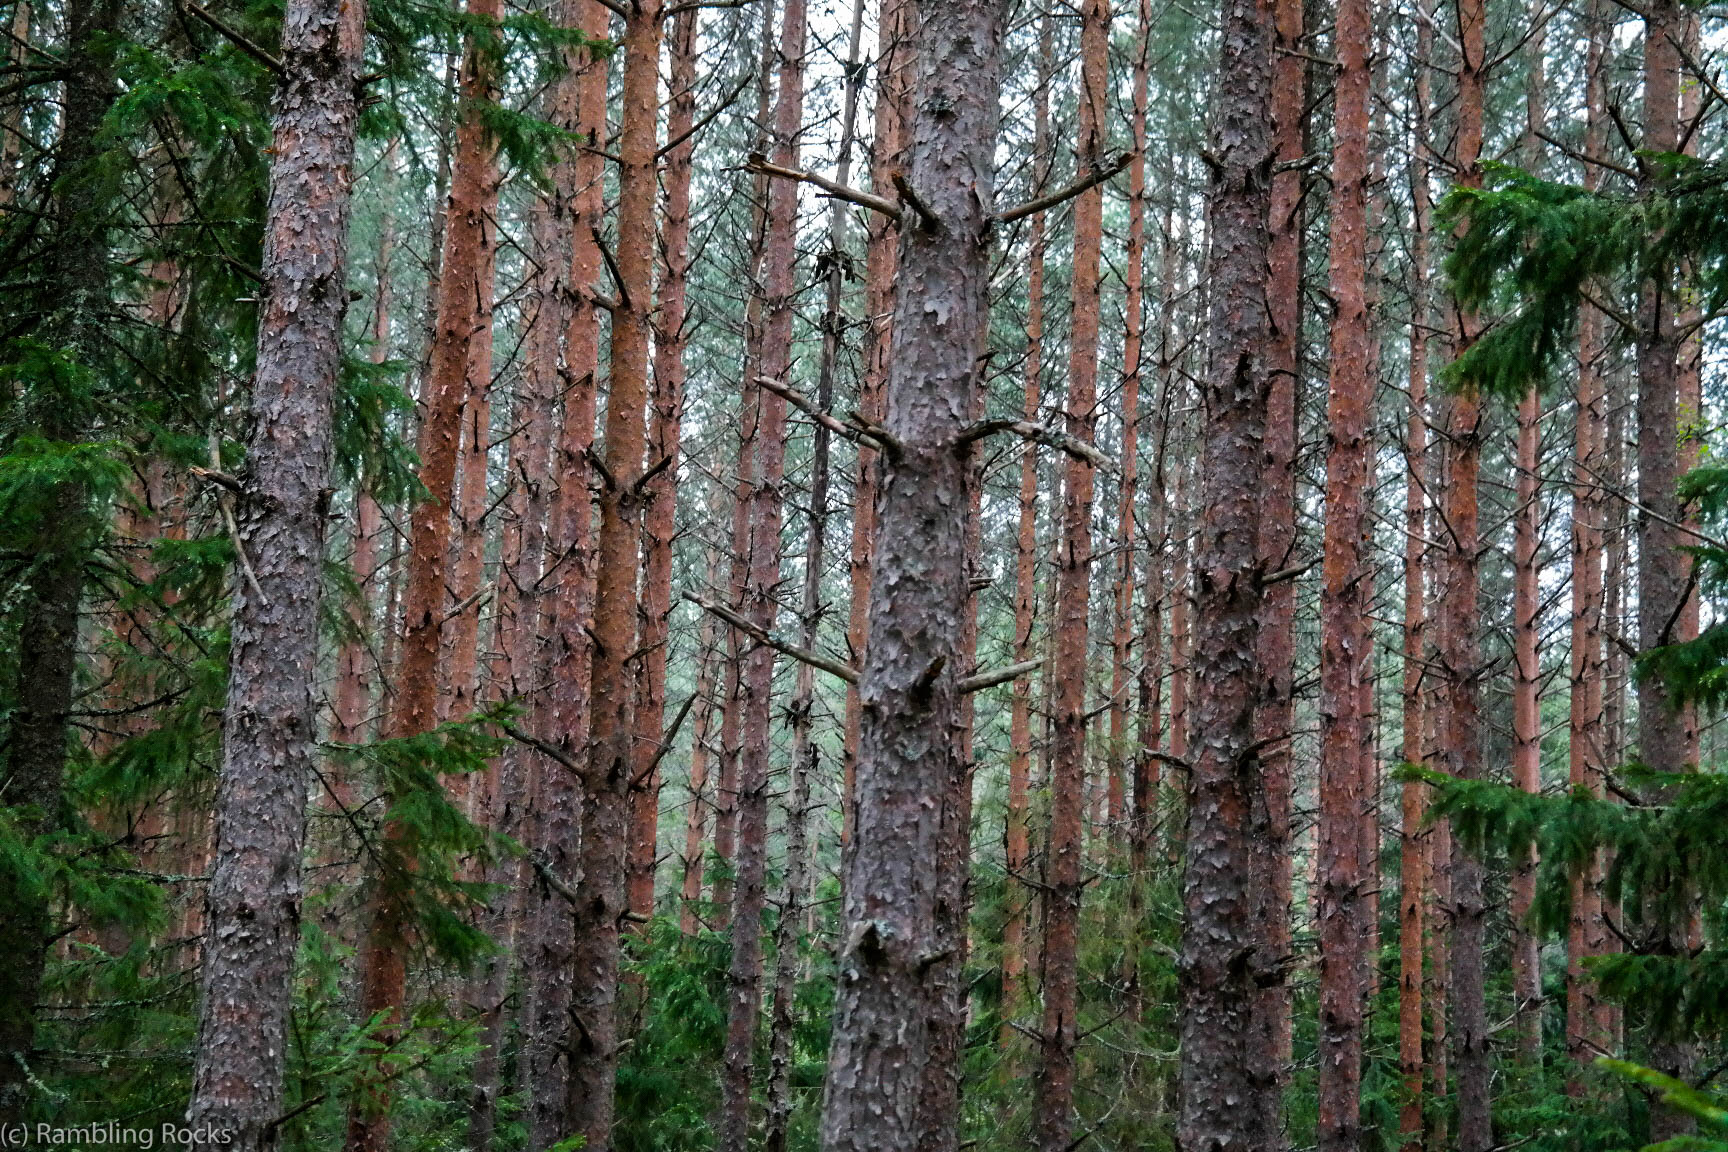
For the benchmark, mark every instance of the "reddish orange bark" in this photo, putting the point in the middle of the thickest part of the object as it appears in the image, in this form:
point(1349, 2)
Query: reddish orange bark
point(1413, 838)
point(1017, 830)
point(463, 320)
point(1346, 638)
point(663, 448)
point(1060, 1034)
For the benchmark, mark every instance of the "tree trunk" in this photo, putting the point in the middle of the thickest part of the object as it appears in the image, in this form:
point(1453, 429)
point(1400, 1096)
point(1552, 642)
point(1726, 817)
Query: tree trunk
point(1017, 832)
point(1526, 640)
point(1461, 742)
point(1413, 837)
point(805, 754)
point(909, 743)
point(1663, 569)
point(1060, 1032)
point(695, 819)
point(1276, 719)
point(546, 942)
point(888, 143)
point(73, 298)
point(668, 403)
point(1346, 638)
point(1134, 323)
point(1229, 1079)
point(252, 904)
point(744, 975)
point(601, 907)
point(463, 320)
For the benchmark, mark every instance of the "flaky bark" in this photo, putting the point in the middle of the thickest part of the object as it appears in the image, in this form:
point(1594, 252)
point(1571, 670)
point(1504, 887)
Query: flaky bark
point(909, 743)
point(1276, 718)
point(252, 905)
point(1064, 882)
point(1346, 638)
point(1663, 569)
point(1229, 1076)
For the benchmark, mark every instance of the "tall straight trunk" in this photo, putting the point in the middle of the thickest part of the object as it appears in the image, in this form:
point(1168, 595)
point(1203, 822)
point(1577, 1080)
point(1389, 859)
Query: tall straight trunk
point(1587, 749)
point(1276, 719)
point(695, 817)
point(1526, 640)
point(355, 660)
point(1413, 838)
point(805, 753)
point(252, 902)
point(1526, 719)
point(601, 905)
point(463, 320)
point(661, 517)
point(1125, 823)
point(1229, 1079)
point(663, 448)
point(1663, 569)
point(73, 301)
point(1017, 830)
point(1064, 882)
point(909, 743)
point(881, 255)
point(546, 941)
point(749, 415)
point(1346, 638)
point(744, 974)
point(462, 693)
point(1459, 653)
point(1182, 546)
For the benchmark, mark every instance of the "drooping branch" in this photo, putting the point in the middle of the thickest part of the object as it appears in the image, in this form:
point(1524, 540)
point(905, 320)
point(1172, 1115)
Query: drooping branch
point(1087, 180)
point(1041, 434)
point(759, 163)
point(909, 196)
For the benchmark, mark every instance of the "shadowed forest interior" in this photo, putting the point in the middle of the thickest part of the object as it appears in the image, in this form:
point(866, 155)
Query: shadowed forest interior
point(863, 575)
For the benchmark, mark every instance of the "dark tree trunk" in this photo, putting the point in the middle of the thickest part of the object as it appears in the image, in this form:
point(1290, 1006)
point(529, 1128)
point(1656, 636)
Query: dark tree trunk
point(1229, 1079)
point(252, 905)
point(73, 298)
point(909, 741)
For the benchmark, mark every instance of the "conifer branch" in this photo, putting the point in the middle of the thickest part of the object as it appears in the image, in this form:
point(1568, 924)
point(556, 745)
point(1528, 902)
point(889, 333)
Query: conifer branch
point(234, 37)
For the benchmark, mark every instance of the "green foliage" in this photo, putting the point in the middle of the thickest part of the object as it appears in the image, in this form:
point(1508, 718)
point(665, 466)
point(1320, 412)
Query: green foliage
point(421, 839)
point(1711, 1112)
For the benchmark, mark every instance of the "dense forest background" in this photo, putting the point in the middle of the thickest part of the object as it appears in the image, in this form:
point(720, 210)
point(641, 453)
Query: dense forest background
point(918, 575)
